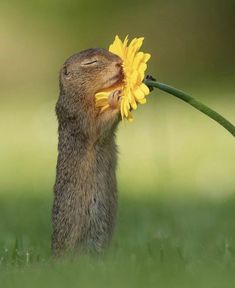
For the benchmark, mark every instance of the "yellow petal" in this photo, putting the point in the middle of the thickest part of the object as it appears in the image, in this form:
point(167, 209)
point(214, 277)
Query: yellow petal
point(125, 106)
point(144, 88)
point(133, 43)
point(138, 59)
point(136, 43)
point(122, 109)
point(101, 95)
point(131, 51)
point(139, 43)
point(133, 77)
point(101, 103)
point(139, 94)
point(117, 47)
point(129, 117)
point(142, 101)
point(147, 56)
point(142, 67)
point(140, 77)
point(125, 41)
point(104, 108)
point(133, 103)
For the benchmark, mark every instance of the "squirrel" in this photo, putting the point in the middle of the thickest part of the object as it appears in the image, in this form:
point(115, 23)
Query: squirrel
point(85, 191)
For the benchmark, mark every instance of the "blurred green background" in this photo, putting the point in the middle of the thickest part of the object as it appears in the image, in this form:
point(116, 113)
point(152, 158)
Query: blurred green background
point(176, 166)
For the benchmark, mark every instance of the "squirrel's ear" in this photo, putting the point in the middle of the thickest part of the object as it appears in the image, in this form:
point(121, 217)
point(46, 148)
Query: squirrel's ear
point(66, 72)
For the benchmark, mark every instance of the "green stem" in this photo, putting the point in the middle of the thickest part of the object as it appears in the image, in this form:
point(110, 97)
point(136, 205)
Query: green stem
point(195, 103)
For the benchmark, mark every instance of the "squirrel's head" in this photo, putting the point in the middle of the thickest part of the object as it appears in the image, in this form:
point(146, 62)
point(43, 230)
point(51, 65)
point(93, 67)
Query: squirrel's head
point(90, 71)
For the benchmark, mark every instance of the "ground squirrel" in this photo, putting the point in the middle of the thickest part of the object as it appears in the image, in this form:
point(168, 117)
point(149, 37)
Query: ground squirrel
point(85, 191)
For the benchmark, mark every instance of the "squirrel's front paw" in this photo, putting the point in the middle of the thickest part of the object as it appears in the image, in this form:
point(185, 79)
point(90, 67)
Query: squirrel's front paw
point(114, 99)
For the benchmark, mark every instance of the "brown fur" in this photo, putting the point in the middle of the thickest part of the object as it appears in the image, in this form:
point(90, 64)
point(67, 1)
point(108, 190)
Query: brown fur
point(85, 191)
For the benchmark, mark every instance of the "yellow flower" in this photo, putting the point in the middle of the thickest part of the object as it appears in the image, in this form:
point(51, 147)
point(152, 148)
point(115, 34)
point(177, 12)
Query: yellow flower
point(133, 90)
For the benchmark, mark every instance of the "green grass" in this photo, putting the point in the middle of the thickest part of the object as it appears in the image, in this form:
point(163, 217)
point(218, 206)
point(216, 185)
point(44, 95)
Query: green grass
point(158, 242)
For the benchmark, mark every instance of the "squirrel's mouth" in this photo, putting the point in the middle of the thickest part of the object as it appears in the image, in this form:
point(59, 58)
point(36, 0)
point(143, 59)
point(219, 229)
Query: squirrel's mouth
point(114, 81)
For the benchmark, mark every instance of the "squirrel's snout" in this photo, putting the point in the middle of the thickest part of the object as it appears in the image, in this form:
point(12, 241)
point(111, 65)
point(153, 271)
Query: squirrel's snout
point(119, 64)
point(117, 61)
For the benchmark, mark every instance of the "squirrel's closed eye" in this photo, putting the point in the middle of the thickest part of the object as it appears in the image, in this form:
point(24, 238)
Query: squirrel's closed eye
point(89, 62)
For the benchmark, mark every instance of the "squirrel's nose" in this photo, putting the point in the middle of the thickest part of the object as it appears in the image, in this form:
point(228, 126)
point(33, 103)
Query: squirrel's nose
point(118, 62)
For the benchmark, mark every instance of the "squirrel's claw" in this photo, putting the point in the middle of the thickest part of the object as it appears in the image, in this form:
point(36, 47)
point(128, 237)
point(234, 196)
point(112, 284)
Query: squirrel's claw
point(114, 99)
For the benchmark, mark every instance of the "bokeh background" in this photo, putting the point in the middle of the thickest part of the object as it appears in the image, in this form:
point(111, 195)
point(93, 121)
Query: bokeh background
point(175, 164)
